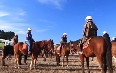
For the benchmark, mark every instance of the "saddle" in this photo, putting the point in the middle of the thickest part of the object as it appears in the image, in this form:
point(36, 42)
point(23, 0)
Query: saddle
point(86, 43)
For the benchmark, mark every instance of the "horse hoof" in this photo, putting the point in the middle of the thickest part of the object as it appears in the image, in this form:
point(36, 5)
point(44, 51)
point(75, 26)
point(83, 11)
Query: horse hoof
point(15, 67)
point(67, 65)
point(18, 67)
point(30, 68)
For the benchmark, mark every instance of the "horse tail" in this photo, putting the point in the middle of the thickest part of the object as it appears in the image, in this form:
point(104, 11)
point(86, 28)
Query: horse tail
point(108, 55)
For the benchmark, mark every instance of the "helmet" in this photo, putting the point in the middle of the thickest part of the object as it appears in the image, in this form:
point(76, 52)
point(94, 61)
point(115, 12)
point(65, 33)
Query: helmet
point(65, 34)
point(104, 32)
point(29, 28)
point(113, 38)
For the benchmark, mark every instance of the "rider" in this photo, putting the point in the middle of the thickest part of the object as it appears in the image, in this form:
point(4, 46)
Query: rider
point(107, 39)
point(29, 40)
point(63, 40)
point(15, 39)
point(113, 39)
point(90, 30)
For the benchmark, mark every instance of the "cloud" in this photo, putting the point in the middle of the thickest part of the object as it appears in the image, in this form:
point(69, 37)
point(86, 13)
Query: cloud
point(18, 28)
point(13, 19)
point(3, 13)
point(56, 3)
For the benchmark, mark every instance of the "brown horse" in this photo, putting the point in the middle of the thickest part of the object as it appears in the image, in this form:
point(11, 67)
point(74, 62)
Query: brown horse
point(49, 49)
point(73, 47)
point(37, 49)
point(97, 47)
point(65, 51)
point(114, 50)
point(20, 49)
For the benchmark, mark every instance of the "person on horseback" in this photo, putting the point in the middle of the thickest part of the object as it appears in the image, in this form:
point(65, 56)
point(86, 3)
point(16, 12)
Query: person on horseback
point(90, 30)
point(63, 40)
point(29, 40)
point(15, 39)
point(113, 39)
point(106, 36)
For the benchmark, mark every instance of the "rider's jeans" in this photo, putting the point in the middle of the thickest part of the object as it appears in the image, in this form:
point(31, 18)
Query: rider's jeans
point(29, 44)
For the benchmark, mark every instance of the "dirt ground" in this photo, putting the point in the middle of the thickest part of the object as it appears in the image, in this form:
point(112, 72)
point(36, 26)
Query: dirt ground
point(49, 66)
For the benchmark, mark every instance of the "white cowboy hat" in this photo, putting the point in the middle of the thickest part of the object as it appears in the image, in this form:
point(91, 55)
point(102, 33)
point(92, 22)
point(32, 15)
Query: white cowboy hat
point(65, 34)
point(104, 32)
point(29, 28)
point(88, 18)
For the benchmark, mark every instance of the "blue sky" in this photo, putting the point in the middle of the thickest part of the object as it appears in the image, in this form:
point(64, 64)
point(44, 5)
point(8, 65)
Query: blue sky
point(49, 19)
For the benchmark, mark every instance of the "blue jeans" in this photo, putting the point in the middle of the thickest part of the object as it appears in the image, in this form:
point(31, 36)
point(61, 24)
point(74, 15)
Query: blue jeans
point(29, 44)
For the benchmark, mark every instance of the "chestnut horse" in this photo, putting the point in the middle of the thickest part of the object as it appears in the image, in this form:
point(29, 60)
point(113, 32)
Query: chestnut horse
point(97, 47)
point(114, 50)
point(65, 51)
point(20, 49)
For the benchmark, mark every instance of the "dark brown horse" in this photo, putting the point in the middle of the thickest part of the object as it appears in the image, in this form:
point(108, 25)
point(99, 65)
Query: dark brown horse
point(49, 48)
point(65, 51)
point(97, 47)
point(37, 49)
point(7, 50)
point(73, 47)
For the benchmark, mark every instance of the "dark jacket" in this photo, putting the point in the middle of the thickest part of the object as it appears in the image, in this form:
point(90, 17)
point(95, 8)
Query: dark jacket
point(29, 36)
point(63, 40)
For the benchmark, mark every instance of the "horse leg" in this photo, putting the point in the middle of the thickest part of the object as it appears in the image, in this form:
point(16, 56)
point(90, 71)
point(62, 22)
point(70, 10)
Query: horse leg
point(31, 64)
point(25, 59)
point(87, 62)
point(16, 60)
point(44, 56)
point(19, 59)
point(35, 63)
point(63, 61)
point(82, 62)
point(67, 60)
point(58, 59)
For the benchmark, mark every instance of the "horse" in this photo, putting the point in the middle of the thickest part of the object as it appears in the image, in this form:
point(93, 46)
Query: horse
point(65, 51)
point(20, 49)
point(98, 47)
point(114, 50)
point(73, 48)
point(7, 50)
point(36, 50)
point(49, 49)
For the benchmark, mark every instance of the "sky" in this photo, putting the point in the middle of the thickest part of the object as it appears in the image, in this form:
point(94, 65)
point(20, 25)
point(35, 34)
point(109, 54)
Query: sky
point(49, 19)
